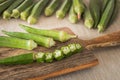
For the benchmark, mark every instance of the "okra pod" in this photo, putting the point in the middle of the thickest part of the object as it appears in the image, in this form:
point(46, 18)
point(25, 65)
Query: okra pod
point(78, 7)
point(40, 40)
point(95, 11)
point(60, 14)
point(49, 57)
point(19, 59)
point(88, 19)
point(36, 11)
point(56, 35)
point(40, 57)
point(58, 55)
point(7, 13)
point(104, 4)
point(17, 43)
point(1, 1)
point(50, 9)
point(16, 12)
point(106, 16)
point(66, 51)
point(5, 5)
point(24, 14)
point(72, 15)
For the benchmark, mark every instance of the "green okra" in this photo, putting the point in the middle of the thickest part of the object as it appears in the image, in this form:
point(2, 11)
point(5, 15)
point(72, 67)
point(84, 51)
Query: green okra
point(95, 10)
point(56, 35)
point(50, 9)
point(66, 51)
point(40, 57)
point(106, 16)
point(40, 40)
point(17, 43)
point(24, 14)
point(73, 18)
point(63, 9)
point(36, 11)
point(78, 7)
point(104, 4)
point(5, 5)
point(78, 48)
point(58, 55)
point(19, 59)
point(1, 1)
point(49, 57)
point(72, 48)
point(7, 13)
point(16, 12)
point(88, 19)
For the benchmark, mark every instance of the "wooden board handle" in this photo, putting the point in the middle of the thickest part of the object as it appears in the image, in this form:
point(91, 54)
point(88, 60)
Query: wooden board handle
point(108, 40)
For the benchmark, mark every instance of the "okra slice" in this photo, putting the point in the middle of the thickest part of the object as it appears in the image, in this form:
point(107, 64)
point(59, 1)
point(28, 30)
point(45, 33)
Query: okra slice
point(49, 57)
point(78, 47)
point(58, 55)
point(72, 48)
point(66, 51)
point(40, 57)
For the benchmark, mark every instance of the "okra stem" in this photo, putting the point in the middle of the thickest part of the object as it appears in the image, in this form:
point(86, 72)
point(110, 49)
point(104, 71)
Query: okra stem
point(17, 43)
point(56, 35)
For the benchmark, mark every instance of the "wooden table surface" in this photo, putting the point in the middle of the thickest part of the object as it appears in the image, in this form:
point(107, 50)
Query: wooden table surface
point(109, 58)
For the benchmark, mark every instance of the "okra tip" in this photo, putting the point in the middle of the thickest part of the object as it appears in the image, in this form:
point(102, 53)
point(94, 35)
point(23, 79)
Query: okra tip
point(73, 19)
point(48, 12)
point(100, 28)
point(89, 23)
point(15, 13)
point(51, 43)
point(31, 20)
point(23, 16)
point(60, 15)
point(6, 15)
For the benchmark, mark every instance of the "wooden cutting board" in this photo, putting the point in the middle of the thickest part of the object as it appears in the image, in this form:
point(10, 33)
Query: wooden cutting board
point(40, 71)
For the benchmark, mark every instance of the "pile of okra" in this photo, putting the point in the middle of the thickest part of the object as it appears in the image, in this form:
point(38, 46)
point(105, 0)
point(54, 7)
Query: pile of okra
point(34, 37)
point(97, 15)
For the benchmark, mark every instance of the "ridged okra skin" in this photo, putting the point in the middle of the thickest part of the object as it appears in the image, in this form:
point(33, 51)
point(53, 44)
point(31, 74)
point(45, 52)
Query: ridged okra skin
point(62, 11)
point(106, 16)
point(73, 18)
point(17, 43)
point(5, 5)
point(56, 35)
point(36, 11)
point(16, 12)
point(88, 19)
point(7, 13)
point(78, 7)
point(95, 10)
point(19, 59)
point(40, 40)
point(50, 9)
point(26, 13)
